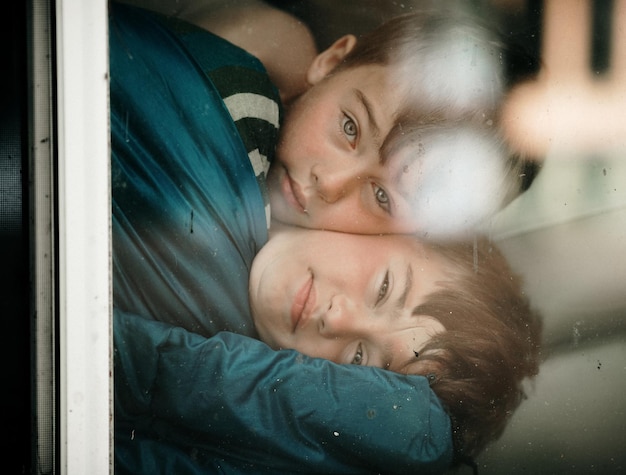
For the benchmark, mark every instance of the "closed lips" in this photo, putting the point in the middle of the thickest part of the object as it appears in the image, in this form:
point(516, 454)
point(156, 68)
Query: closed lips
point(303, 304)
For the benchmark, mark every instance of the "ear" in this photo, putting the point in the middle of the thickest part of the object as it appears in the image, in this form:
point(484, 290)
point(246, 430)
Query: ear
point(326, 61)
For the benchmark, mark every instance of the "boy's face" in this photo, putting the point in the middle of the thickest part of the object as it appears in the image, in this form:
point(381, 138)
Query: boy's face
point(344, 297)
point(328, 173)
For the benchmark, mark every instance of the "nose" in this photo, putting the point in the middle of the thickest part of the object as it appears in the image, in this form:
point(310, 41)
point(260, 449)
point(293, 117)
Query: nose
point(332, 185)
point(342, 318)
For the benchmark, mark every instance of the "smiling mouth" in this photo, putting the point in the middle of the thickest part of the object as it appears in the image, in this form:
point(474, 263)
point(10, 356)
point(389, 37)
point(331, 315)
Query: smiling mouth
point(303, 304)
point(293, 193)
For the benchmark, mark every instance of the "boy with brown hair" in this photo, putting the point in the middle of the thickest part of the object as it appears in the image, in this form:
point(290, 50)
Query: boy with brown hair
point(397, 131)
point(453, 312)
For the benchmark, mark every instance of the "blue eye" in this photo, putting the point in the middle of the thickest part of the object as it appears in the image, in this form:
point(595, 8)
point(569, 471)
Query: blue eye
point(358, 356)
point(384, 288)
point(350, 129)
point(382, 198)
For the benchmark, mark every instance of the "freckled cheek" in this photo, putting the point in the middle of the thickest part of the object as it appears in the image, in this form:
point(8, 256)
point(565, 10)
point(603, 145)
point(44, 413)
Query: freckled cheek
point(271, 295)
point(317, 143)
point(344, 275)
point(356, 277)
point(302, 147)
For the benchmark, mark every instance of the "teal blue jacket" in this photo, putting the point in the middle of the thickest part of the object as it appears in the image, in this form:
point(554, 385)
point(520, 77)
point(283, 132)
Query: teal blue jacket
point(230, 404)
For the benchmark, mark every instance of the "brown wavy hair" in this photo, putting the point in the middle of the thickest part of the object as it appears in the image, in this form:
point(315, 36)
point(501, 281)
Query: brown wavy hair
point(491, 345)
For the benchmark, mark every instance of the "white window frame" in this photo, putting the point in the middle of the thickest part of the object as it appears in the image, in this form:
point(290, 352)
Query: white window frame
point(84, 242)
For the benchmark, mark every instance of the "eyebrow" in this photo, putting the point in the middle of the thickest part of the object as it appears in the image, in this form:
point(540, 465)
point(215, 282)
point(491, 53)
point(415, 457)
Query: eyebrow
point(387, 352)
point(408, 283)
point(369, 109)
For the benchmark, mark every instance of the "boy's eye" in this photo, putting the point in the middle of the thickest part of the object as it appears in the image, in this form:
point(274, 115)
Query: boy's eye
point(358, 356)
point(381, 197)
point(350, 129)
point(384, 288)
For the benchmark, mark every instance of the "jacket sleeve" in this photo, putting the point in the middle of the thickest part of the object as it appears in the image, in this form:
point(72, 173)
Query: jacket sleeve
point(188, 208)
point(231, 397)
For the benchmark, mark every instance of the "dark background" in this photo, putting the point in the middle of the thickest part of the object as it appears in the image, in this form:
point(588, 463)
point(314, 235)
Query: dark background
point(14, 259)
